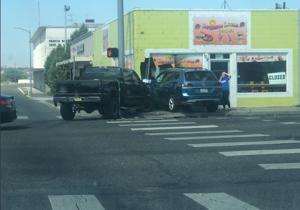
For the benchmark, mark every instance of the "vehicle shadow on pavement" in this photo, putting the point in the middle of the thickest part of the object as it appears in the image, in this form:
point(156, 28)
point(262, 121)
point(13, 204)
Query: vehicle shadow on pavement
point(13, 127)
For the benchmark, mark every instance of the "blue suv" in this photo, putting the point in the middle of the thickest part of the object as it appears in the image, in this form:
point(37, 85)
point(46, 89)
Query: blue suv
point(176, 86)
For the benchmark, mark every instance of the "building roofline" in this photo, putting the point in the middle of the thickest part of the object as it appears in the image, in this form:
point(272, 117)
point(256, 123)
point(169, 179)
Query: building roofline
point(82, 37)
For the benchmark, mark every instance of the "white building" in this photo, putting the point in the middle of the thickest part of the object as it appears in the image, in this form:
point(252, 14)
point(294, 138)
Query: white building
point(44, 40)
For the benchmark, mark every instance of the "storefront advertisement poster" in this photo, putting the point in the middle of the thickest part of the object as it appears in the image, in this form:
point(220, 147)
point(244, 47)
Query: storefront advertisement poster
point(105, 40)
point(277, 78)
point(220, 30)
point(260, 58)
point(163, 59)
point(189, 61)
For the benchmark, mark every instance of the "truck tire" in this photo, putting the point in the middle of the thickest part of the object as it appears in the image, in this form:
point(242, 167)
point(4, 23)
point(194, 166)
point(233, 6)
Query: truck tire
point(66, 111)
point(172, 106)
point(212, 108)
point(112, 108)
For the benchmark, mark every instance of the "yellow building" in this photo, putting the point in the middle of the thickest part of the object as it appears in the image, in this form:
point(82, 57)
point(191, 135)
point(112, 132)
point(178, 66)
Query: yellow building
point(259, 48)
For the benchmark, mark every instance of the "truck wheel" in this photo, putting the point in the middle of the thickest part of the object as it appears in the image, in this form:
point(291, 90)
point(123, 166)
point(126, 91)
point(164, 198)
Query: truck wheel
point(112, 108)
point(148, 105)
point(172, 106)
point(212, 108)
point(66, 111)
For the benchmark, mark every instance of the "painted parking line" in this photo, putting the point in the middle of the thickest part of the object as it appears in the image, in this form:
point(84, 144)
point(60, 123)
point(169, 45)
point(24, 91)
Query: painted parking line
point(141, 121)
point(174, 128)
point(217, 137)
point(230, 144)
point(22, 117)
point(158, 124)
point(72, 202)
point(193, 132)
point(217, 201)
point(273, 166)
point(261, 152)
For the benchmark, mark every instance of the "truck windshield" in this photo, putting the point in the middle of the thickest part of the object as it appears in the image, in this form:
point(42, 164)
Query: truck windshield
point(105, 73)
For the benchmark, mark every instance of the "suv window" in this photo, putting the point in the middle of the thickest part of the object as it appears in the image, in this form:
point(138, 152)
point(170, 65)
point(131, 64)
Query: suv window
point(168, 77)
point(159, 77)
point(199, 76)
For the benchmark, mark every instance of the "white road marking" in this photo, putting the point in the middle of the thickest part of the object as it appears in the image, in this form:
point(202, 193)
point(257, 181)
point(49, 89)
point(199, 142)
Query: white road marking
point(195, 132)
point(21, 90)
point(268, 120)
point(261, 152)
point(59, 117)
point(217, 137)
point(43, 99)
point(158, 124)
point(252, 118)
point(290, 123)
point(174, 128)
point(222, 118)
point(230, 144)
point(75, 202)
point(280, 166)
point(140, 121)
point(22, 117)
point(217, 201)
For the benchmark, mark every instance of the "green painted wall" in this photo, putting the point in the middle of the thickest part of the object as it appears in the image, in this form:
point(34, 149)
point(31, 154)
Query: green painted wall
point(275, 30)
point(103, 60)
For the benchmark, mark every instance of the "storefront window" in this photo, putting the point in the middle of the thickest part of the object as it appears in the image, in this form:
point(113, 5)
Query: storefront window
point(261, 73)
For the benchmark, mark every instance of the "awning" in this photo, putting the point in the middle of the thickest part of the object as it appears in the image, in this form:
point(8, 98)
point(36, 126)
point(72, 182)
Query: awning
point(77, 59)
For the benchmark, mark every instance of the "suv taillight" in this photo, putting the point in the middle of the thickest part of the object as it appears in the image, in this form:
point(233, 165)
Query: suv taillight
point(5, 103)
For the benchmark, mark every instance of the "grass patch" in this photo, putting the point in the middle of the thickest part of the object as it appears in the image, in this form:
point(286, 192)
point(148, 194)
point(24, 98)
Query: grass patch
point(49, 94)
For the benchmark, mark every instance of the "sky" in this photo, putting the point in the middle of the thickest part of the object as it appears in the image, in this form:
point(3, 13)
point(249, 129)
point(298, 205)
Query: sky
point(24, 14)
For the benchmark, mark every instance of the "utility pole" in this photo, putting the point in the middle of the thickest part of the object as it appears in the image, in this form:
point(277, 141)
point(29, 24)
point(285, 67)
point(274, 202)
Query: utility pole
point(121, 33)
point(67, 8)
point(15, 74)
point(225, 4)
point(39, 11)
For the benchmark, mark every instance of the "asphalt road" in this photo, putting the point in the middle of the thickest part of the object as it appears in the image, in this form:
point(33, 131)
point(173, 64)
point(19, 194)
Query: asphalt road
point(93, 163)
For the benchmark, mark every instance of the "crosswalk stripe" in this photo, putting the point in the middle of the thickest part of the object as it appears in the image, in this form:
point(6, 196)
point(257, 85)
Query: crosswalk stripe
point(158, 124)
point(174, 128)
point(59, 117)
point(217, 137)
point(268, 120)
point(22, 117)
point(72, 202)
point(195, 132)
point(222, 118)
point(217, 201)
point(261, 152)
point(141, 121)
point(290, 123)
point(280, 166)
point(230, 144)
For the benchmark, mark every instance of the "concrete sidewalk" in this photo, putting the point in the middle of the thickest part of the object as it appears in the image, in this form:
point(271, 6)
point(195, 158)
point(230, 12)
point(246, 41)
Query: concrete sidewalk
point(195, 112)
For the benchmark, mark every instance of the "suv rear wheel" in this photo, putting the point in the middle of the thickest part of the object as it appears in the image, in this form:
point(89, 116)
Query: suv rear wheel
point(212, 108)
point(66, 111)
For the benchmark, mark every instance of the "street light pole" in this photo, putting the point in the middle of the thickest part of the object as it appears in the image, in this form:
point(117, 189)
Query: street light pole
point(29, 58)
point(67, 8)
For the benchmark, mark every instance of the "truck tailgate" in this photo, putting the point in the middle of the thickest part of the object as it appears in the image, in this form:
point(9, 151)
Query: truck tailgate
point(78, 87)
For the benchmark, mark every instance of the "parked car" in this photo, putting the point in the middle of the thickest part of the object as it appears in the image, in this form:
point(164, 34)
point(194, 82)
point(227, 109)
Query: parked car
point(176, 86)
point(8, 109)
point(105, 89)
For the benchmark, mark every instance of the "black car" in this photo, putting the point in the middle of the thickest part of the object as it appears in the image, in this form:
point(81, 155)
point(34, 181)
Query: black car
point(8, 109)
point(177, 86)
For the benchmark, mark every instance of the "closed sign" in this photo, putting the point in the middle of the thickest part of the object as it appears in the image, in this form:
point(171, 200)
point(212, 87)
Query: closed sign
point(277, 78)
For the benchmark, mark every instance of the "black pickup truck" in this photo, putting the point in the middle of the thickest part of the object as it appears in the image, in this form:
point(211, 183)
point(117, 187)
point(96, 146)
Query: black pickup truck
point(105, 89)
